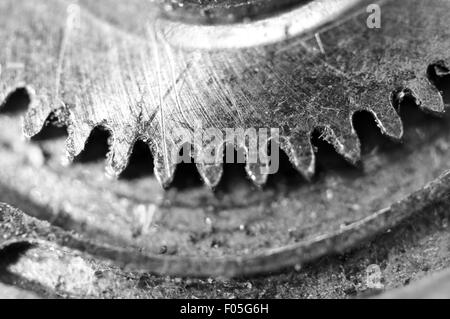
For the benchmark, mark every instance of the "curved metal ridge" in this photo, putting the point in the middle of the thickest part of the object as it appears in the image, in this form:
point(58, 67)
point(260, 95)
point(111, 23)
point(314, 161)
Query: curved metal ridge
point(154, 90)
point(20, 228)
point(224, 11)
point(299, 21)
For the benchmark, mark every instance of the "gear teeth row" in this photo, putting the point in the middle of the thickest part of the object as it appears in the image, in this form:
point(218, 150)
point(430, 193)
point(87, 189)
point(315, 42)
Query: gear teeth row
point(298, 85)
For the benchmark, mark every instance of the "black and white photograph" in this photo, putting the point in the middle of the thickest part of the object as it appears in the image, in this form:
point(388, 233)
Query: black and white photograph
point(224, 154)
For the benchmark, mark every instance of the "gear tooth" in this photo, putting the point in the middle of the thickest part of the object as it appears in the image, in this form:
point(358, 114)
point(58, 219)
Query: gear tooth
point(427, 95)
point(210, 172)
point(118, 156)
point(345, 141)
point(165, 163)
point(258, 172)
point(300, 151)
point(379, 98)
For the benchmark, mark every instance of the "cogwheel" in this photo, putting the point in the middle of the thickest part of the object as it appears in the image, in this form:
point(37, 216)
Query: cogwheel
point(152, 84)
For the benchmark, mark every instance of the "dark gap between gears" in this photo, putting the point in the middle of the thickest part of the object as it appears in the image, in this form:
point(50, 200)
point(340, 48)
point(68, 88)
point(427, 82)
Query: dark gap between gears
point(12, 253)
point(16, 103)
point(140, 164)
point(141, 160)
point(186, 174)
point(97, 146)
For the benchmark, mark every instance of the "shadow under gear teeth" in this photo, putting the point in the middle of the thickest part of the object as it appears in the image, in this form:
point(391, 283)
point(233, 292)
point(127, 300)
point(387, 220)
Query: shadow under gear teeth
point(427, 95)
